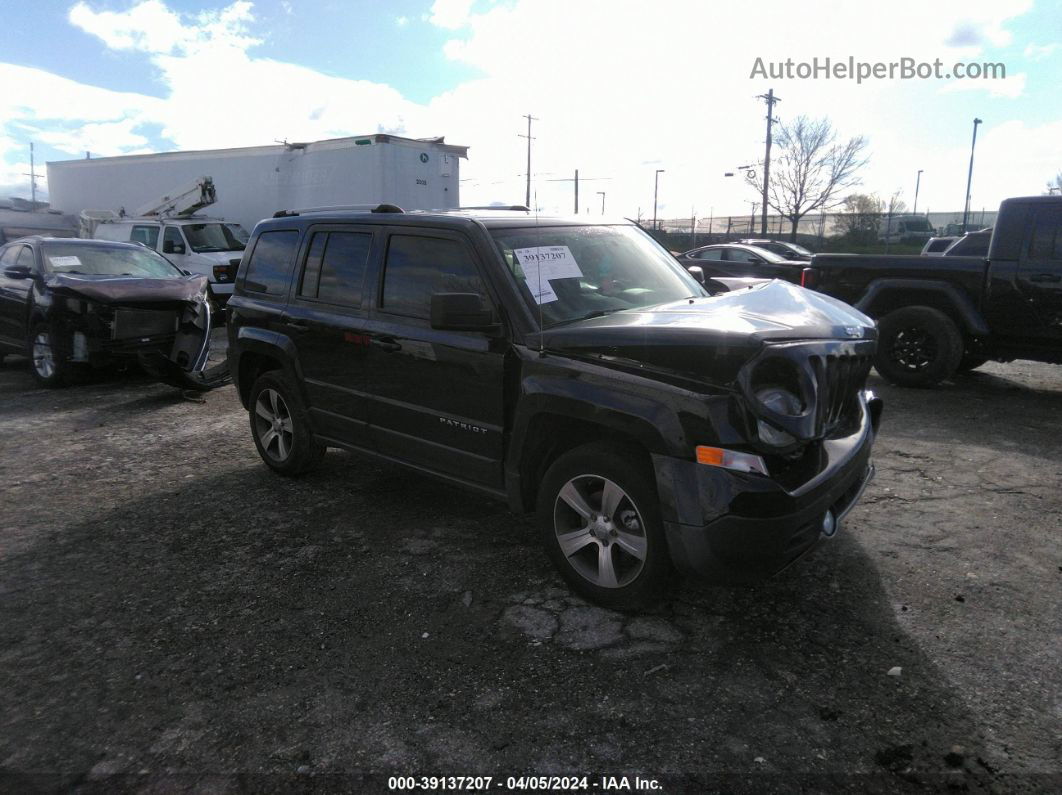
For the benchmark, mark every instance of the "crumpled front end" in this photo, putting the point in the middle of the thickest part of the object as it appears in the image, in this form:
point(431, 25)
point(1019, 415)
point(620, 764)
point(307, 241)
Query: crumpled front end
point(809, 425)
point(165, 324)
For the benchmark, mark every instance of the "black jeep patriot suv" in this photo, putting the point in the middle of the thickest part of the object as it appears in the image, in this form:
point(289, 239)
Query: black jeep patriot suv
point(571, 368)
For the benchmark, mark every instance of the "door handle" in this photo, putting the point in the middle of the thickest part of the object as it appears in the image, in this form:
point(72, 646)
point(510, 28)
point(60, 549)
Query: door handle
point(1046, 277)
point(386, 344)
point(297, 325)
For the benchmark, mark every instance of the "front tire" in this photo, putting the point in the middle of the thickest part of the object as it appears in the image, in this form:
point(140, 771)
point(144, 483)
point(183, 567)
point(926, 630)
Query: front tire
point(599, 519)
point(918, 346)
point(280, 426)
point(46, 357)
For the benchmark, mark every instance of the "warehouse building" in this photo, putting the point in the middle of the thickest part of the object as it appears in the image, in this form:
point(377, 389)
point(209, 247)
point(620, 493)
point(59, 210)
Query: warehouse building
point(254, 182)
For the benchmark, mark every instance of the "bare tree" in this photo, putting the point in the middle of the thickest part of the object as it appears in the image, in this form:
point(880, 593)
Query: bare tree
point(1055, 185)
point(859, 220)
point(812, 169)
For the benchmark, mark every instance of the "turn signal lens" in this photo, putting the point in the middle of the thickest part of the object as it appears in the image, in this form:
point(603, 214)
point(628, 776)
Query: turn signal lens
point(729, 459)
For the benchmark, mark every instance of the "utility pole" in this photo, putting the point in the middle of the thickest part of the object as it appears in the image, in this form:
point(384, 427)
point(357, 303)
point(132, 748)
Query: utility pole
point(601, 193)
point(770, 99)
point(656, 188)
point(33, 178)
point(752, 216)
point(693, 228)
point(576, 191)
point(969, 178)
point(530, 118)
point(918, 184)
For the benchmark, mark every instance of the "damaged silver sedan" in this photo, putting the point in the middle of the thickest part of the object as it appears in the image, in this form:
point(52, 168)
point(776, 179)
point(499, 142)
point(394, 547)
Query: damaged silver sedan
point(68, 304)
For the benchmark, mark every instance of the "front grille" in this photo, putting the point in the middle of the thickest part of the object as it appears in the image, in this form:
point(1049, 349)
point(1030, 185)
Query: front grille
point(137, 323)
point(838, 379)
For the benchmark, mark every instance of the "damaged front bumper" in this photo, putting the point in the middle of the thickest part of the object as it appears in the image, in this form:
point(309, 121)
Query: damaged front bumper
point(166, 329)
point(733, 527)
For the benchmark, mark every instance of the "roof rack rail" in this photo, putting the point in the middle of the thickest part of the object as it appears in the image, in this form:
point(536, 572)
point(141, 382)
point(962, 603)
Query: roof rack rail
point(512, 207)
point(331, 208)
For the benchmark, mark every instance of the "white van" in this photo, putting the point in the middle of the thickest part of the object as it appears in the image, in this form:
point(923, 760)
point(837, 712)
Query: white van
point(210, 246)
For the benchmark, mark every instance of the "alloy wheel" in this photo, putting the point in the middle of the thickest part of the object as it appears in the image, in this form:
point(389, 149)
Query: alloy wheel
point(600, 531)
point(273, 424)
point(914, 348)
point(43, 361)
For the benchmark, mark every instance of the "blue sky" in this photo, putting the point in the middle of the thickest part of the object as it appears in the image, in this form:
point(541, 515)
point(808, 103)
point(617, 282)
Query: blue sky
point(621, 88)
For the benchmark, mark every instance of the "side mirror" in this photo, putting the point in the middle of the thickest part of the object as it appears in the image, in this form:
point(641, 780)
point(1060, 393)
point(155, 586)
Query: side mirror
point(18, 272)
point(169, 247)
point(697, 272)
point(461, 312)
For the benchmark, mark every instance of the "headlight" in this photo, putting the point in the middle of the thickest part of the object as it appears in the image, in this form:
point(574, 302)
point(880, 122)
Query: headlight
point(782, 402)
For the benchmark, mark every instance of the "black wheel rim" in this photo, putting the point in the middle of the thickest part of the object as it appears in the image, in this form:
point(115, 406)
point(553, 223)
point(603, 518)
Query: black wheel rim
point(914, 348)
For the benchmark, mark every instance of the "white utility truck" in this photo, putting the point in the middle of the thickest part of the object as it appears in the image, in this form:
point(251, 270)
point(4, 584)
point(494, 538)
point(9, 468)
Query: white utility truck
point(198, 244)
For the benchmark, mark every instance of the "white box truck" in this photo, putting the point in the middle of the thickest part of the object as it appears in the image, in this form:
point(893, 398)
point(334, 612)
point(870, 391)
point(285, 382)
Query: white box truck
point(254, 182)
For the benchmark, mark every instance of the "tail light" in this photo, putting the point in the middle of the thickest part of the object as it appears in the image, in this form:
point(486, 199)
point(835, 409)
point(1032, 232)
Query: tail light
point(809, 277)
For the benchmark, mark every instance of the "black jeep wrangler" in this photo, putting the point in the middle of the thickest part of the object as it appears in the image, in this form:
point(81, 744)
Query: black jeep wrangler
point(570, 368)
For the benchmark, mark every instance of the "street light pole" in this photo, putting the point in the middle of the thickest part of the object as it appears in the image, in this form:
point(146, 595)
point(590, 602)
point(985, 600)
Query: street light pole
point(918, 183)
point(969, 178)
point(530, 118)
point(601, 193)
point(656, 189)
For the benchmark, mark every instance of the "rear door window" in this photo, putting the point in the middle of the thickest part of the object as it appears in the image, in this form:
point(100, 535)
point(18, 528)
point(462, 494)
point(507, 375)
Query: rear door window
point(417, 267)
point(1047, 236)
point(271, 263)
point(335, 267)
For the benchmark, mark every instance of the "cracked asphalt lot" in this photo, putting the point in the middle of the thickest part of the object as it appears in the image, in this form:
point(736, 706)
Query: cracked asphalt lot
point(174, 617)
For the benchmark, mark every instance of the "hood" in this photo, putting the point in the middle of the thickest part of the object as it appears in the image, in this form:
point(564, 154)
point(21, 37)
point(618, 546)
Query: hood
point(218, 257)
point(713, 336)
point(124, 289)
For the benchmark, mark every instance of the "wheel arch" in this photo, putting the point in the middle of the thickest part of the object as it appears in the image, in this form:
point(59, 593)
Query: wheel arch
point(540, 437)
point(887, 295)
point(258, 352)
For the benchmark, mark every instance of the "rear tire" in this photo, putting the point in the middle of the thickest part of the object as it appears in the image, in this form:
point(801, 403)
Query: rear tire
point(599, 519)
point(280, 426)
point(918, 346)
point(47, 360)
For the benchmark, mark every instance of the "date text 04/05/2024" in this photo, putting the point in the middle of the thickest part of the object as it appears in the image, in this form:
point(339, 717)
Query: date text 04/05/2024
point(531, 783)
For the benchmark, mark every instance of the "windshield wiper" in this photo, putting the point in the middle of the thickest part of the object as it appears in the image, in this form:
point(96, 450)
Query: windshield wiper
point(589, 316)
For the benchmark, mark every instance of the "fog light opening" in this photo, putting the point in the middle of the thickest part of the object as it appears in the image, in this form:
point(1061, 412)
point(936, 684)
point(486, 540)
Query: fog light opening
point(829, 524)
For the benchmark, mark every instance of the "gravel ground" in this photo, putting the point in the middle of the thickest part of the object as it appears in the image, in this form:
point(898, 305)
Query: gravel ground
point(175, 617)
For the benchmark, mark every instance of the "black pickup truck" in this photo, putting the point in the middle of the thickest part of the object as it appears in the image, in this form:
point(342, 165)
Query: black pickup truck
point(572, 369)
point(939, 315)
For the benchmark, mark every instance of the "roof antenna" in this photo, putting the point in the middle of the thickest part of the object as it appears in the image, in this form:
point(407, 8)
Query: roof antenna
point(541, 322)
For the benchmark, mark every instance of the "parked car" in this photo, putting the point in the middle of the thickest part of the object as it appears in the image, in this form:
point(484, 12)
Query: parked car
point(937, 317)
point(737, 259)
point(972, 244)
point(789, 251)
point(569, 368)
point(936, 246)
point(208, 246)
point(67, 302)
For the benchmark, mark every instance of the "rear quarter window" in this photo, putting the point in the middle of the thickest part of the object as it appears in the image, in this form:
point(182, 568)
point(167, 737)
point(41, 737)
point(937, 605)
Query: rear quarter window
point(272, 260)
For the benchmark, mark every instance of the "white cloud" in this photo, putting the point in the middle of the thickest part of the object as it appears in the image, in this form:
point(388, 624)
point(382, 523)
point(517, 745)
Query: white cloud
point(402, 21)
point(1037, 52)
point(619, 90)
point(450, 14)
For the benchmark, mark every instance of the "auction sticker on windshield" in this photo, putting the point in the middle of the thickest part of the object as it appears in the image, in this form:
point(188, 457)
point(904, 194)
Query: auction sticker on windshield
point(541, 264)
point(65, 262)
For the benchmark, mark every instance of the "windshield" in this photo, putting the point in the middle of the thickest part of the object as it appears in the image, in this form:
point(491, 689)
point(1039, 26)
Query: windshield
point(800, 250)
point(97, 260)
point(205, 238)
point(578, 272)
